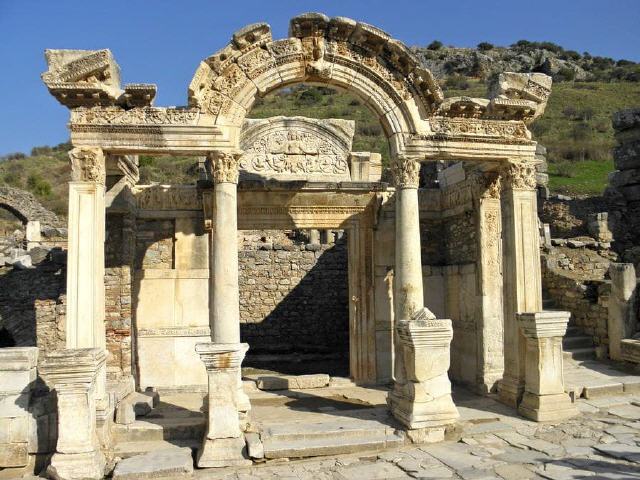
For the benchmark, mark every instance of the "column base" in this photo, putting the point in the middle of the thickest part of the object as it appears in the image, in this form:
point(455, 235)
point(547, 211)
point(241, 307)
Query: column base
point(77, 466)
point(510, 392)
point(547, 408)
point(413, 415)
point(223, 452)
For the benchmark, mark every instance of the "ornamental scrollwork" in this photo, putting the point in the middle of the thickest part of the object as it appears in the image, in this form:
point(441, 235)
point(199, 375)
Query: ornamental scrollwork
point(87, 165)
point(486, 185)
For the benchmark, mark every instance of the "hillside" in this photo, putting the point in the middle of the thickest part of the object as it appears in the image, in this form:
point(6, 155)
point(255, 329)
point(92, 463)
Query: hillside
point(576, 128)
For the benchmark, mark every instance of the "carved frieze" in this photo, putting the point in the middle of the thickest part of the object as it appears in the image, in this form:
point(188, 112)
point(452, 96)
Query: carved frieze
point(406, 172)
point(134, 116)
point(513, 131)
point(87, 165)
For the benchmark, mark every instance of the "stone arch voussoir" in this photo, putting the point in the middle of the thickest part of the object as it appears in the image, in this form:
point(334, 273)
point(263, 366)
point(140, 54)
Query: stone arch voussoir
point(26, 207)
point(338, 52)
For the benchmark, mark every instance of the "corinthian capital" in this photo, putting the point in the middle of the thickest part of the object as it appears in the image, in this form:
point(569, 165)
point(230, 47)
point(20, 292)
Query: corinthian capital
point(224, 166)
point(87, 165)
point(406, 172)
point(485, 185)
point(520, 176)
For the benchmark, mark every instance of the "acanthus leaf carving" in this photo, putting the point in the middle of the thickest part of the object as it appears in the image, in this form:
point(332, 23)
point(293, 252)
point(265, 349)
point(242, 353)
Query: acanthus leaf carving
point(520, 176)
point(225, 166)
point(406, 172)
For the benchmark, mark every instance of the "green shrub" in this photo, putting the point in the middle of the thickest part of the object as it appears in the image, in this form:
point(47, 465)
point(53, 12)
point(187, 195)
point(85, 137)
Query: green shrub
point(456, 82)
point(435, 45)
point(308, 97)
point(146, 161)
point(38, 185)
point(485, 46)
point(565, 169)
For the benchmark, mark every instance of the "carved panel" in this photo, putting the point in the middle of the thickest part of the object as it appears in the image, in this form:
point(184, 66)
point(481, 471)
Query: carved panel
point(165, 197)
point(87, 165)
point(296, 148)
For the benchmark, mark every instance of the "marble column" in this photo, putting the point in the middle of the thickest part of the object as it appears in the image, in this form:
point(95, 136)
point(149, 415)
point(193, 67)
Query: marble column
point(544, 397)
point(522, 289)
point(490, 356)
point(223, 444)
point(85, 259)
point(421, 396)
point(73, 374)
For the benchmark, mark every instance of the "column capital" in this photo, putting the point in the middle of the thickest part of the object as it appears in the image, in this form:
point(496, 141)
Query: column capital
point(222, 356)
point(406, 172)
point(224, 165)
point(519, 176)
point(87, 165)
point(72, 366)
point(485, 185)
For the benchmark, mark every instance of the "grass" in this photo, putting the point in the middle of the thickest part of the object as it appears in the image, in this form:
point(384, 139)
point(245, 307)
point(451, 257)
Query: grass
point(588, 177)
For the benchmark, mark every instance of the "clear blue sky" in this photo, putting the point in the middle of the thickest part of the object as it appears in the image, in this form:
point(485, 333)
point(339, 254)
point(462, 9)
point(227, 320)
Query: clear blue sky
point(162, 41)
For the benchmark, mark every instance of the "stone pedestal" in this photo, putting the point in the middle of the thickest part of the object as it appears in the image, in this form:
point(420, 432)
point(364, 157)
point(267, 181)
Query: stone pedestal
point(622, 322)
point(223, 444)
point(521, 271)
point(17, 375)
point(72, 373)
point(544, 397)
point(423, 400)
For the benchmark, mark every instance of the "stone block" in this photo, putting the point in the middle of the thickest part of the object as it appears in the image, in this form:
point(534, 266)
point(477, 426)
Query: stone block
point(14, 455)
point(14, 405)
point(288, 382)
point(255, 448)
point(168, 462)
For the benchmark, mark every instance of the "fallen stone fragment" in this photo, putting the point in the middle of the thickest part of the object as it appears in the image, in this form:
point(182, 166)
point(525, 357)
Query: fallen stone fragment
point(168, 462)
point(254, 445)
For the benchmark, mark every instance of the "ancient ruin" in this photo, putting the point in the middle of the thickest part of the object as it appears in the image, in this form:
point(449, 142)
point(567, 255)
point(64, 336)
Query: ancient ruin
point(166, 295)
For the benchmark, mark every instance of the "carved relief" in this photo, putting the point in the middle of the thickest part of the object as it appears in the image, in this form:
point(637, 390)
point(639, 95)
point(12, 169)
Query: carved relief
point(135, 116)
point(292, 148)
point(406, 172)
point(485, 185)
point(165, 197)
point(87, 165)
point(520, 176)
point(224, 166)
point(489, 128)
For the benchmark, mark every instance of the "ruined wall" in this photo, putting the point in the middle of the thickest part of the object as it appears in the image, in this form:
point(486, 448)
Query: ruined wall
point(294, 298)
point(32, 304)
point(586, 299)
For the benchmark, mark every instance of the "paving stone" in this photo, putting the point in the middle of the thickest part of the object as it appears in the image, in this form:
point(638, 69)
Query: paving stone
point(619, 450)
point(520, 441)
point(476, 474)
point(630, 412)
point(169, 462)
point(522, 456)
point(371, 471)
point(433, 473)
point(514, 472)
point(563, 471)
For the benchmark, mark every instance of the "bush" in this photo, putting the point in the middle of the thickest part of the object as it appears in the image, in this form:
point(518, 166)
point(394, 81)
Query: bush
point(485, 46)
point(146, 161)
point(435, 45)
point(308, 97)
point(13, 178)
point(570, 112)
point(354, 103)
point(14, 156)
point(581, 131)
point(38, 185)
point(567, 74)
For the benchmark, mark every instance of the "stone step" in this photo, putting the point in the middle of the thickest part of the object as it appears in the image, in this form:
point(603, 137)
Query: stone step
point(579, 353)
point(573, 331)
point(330, 429)
point(131, 449)
point(320, 446)
point(579, 341)
point(184, 428)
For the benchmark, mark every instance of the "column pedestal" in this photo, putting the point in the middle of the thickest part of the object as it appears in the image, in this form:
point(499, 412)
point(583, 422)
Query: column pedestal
point(72, 373)
point(544, 397)
point(223, 444)
point(424, 399)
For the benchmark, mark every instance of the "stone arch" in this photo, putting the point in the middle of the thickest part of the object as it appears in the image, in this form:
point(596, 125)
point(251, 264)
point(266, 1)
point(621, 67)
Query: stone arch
point(337, 52)
point(26, 207)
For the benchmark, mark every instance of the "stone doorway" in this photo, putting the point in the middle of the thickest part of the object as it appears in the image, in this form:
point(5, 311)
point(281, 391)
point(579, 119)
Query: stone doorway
point(294, 301)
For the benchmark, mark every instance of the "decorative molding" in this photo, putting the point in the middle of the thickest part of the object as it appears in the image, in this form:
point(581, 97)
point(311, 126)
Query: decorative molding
point(87, 165)
point(512, 131)
point(174, 332)
point(167, 197)
point(406, 172)
point(153, 116)
point(486, 185)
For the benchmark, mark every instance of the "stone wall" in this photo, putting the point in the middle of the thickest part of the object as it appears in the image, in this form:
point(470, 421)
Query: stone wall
point(585, 298)
point(460, 235)
point(294, 299)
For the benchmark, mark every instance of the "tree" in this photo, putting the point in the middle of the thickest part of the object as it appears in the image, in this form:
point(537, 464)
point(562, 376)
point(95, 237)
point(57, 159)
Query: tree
point(435, 45)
